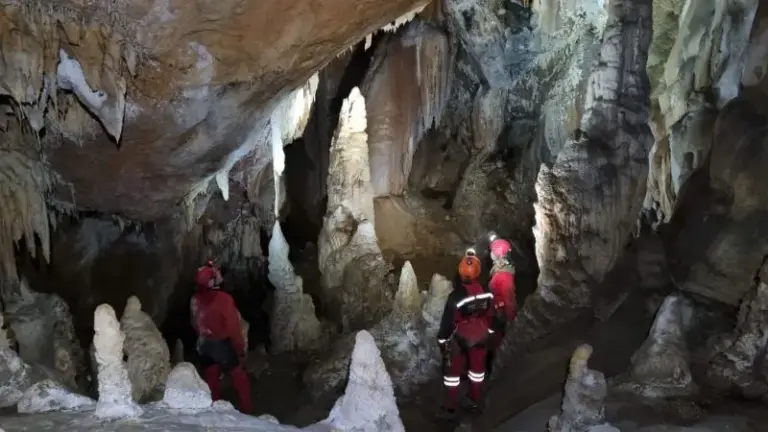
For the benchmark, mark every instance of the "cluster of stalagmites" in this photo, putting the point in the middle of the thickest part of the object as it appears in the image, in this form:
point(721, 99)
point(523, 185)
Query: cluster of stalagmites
point(367, 405)
point(660, 370)
point(32, 390)
point(406, 336)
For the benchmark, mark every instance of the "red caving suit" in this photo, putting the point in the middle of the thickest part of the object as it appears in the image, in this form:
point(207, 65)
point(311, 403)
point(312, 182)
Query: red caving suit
point(220, 342)
point(464, 333)
point(502, 285)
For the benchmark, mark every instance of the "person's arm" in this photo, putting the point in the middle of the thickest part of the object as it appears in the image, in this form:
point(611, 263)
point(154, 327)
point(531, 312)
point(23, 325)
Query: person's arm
point(446, 323)
point(232, 324)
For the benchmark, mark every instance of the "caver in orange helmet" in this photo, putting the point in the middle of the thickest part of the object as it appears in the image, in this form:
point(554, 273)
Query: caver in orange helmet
point(469, 267)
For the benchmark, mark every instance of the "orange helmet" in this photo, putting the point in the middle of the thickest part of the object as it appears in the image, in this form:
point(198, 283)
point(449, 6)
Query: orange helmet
point(469, 267)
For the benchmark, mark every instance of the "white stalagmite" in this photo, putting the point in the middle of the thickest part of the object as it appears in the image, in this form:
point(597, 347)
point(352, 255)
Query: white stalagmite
point(294, 324)
point(408, 297)
point(349, 177)
point(115, 399)
point(368, 404)
point(357, 284)
point(660, 368)
point(185, 389)
point(434, 304)
point(148, 354)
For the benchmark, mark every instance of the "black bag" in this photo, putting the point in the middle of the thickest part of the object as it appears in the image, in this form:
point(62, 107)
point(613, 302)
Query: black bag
point(220, 352)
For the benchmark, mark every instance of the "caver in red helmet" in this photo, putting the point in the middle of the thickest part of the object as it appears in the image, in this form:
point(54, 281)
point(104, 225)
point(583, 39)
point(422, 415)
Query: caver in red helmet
point(208, 276)
point(499, 247)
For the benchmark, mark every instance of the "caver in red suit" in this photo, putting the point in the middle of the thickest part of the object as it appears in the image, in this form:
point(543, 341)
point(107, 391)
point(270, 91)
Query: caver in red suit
point(220, 341)
point(502, 285)
point(464, 335)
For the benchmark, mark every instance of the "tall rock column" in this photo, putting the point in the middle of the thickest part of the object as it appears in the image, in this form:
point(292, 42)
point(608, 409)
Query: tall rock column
point(115, 399)
point(357, 281)
point(588, 201)
point(294, 323)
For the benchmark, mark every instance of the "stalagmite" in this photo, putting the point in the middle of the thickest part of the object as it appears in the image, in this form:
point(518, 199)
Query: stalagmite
point(114, 385)
point(583, 405)
point(406, 338)
point(148, 355)
point(45, 332)
point(742, 366)
point(434, 304)
point(368, 404)
point(294, 325)
point(185, 389)
point(356, 278)
point(660, 368)
point(589, 199)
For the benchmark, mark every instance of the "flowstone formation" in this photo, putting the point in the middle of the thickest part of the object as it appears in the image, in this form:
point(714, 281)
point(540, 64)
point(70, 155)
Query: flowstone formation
point(596, 182)
point(147, 352)
point(15, 377)
point(115, 398)
point(406, 338)
point(368, 404)
point(583, 407)
point(356, 283)
point(692, 80)
point(42, 324)
point(293, 324)
point(48, 395)
point(742, 367)
point(661, 367)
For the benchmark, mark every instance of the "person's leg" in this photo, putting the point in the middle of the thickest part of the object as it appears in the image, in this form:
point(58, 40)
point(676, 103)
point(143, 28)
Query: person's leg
point(242, 386)
point(476, 373)
point(211, 375)
point(452, 377)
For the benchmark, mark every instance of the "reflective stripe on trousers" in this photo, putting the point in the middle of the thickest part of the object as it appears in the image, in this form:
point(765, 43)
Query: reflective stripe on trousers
point(451, 381)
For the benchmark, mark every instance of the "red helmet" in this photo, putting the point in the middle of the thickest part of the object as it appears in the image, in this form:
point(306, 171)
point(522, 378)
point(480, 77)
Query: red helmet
point(208, 276)
point(499, 247)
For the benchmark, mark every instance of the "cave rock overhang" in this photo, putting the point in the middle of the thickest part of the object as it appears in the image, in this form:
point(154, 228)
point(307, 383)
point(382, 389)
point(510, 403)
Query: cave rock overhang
point(185, 89)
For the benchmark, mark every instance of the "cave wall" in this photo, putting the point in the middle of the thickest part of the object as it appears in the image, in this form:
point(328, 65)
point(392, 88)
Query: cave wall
point(98, 260)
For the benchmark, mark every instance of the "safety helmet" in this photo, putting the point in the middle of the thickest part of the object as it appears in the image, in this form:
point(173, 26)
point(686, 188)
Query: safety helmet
point(208, 276)
point(499, 247)
point(469, 267)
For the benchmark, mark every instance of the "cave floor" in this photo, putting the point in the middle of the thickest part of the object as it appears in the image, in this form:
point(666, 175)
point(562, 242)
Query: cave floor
point(278, 391)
